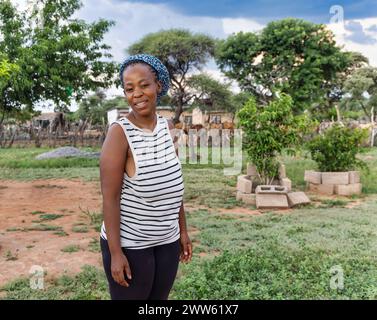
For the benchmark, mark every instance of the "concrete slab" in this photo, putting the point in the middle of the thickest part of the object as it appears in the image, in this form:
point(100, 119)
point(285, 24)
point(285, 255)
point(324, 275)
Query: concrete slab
point(286, 183)
point(327, 189)
point(348, 189)
point(354, 176)
point(271, 189)
point(312, 176)
point(244, 184)
point(335, 177)
point(271, 200)
point(251, 170)
point(297, 198)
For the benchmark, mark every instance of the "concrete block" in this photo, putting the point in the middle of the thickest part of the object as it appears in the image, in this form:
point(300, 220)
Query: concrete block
point(296, 198)
point(271, 200)
point(239, 195)
point(322, 188)
point(251, 170)
point(249, 198)
point(335, 178)
point(354, 176)
point(244, 184)
point(286, 183)
point(348, 189)
point(312, 176)
point(282, 173)
point(271, 189)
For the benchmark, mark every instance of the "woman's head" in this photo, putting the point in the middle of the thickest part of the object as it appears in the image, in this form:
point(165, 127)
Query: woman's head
point(145, 80)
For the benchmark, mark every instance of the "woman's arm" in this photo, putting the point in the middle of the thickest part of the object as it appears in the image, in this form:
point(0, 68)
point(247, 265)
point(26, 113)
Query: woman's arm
point(186, 245)
point(112, 162)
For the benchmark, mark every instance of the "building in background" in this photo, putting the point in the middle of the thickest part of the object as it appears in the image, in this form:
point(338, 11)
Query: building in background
point(189, 116)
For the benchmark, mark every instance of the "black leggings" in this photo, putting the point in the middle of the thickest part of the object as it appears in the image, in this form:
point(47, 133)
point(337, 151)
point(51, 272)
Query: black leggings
point(153, 272)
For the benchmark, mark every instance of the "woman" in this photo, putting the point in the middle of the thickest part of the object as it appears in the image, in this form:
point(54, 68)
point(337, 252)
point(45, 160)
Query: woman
point(144, 233)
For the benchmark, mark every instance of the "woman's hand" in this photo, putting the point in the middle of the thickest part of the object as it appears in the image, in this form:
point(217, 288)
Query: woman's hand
point(119, 265)
point(186, 247)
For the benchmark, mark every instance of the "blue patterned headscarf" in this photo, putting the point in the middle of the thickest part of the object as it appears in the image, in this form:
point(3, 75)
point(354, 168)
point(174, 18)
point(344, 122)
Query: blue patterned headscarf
point(161, 71)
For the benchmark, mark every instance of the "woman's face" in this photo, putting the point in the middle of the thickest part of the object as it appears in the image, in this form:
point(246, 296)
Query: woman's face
point(141, 88)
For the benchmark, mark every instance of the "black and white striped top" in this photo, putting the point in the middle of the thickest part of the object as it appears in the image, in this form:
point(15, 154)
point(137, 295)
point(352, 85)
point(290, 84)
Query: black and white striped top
point(151, 198)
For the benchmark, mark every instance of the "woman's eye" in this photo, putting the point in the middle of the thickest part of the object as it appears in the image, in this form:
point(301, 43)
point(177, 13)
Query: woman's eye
point(145, 85)
point(128, 89)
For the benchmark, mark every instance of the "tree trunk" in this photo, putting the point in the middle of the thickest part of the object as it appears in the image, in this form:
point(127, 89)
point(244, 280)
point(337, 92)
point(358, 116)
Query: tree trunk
point(178, 111)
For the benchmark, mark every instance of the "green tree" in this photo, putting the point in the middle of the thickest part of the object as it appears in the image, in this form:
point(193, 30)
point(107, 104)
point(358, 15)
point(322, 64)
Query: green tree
point(268, 130)
point(361, 89)
point(60, 58)
point(335, 89)
point(182, 52)
point(209, 93)
point(290, 56)
point(92, 109)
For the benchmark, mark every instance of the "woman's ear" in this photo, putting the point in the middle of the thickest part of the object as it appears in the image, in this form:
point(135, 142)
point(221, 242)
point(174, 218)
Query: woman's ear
point(159, 87)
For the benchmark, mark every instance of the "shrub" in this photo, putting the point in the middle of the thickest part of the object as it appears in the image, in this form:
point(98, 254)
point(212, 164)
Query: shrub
point(336, 149)
point(268, 130)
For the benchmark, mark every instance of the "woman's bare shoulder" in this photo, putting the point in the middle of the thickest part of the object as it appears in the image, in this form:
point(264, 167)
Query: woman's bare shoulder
point(116, 136)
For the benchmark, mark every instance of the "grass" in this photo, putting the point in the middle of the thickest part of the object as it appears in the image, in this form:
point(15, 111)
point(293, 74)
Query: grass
point(50, 216)
point(43, 227)
point(90, 284)
point(10, 256)
point(281, 256)
point(94, 245)
point(61, 233)
point(71, 248)
point(80, 229)
point(95, 218)
point(24, 158)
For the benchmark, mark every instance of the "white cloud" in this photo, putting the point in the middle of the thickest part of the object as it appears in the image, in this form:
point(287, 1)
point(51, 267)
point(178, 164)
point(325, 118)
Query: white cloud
point(343, 38)
point(234, 25)
point(135, 20)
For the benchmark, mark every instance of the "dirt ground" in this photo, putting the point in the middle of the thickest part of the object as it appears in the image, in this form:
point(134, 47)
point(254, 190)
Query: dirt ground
point(20, 250)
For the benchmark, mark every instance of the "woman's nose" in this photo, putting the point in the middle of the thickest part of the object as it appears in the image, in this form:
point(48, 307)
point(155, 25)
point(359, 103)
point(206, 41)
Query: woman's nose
point(138, 92)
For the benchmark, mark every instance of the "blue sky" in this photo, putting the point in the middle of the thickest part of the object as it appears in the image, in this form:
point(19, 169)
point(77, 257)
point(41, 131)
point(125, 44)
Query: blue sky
point(267, 10)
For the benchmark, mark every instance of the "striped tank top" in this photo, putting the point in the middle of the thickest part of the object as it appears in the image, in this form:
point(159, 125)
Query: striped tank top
point(150, 199)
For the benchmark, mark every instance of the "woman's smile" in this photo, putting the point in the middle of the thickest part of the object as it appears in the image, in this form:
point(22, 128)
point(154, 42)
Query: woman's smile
point(142, 104)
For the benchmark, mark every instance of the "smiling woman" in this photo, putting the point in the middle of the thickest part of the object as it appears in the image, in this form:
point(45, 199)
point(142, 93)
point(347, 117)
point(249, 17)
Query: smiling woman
point(144, 230)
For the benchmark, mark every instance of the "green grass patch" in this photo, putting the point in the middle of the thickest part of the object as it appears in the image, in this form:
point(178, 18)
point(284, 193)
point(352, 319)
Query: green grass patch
point(71, 248)
point(94, 245)
point(9, 256)
point(50, 216)
point(61, 233)
point(330, 203)
point(24, 158)
point(13, 229)
point(43, 227)
point(80, 229)
point(37, 212)
point(89, 284)
point(272, 271)
point(95, 218)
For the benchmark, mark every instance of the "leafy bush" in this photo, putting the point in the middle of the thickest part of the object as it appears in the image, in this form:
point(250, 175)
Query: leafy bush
point(336, 149)
point(268, 130)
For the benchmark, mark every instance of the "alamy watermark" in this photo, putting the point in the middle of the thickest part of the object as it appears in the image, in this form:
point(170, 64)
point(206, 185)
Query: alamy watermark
point(212, 146)
point(336, 278)
point(36, 277)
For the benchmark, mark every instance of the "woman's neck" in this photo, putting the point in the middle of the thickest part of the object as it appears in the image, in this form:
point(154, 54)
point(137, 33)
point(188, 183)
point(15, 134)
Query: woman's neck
point(144, 122)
